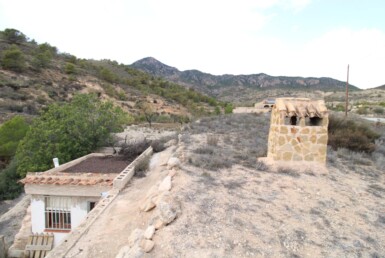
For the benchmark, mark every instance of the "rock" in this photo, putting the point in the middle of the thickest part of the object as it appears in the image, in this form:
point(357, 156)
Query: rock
point(134, 252)
point(135, 237)
point(163, 196)
point(173, 163)
point(147, 205)
point(123, 252)
point(149, 233)
point(153, 191)
point(158, 224)
point(147, 245)
point(166, 184)
point(172, 173)
point(166, 213)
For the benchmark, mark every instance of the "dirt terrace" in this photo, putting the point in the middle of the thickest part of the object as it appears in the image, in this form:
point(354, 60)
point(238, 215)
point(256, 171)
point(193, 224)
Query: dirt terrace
point(107, 164)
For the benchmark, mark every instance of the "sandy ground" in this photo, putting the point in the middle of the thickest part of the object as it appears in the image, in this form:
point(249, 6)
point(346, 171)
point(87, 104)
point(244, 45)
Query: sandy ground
point(251, 212)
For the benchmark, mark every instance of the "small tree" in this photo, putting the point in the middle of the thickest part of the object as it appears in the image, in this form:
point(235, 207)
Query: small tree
point(68, 131)
point(229, 108)
point(13, 59)
point(11, 133)
point(14, 36)
point(148, 112)
point(69, 68)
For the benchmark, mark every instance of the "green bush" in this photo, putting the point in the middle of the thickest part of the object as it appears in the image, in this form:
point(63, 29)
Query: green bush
point(378, 110)
point(11, 132)
point(350, 134)
point(362, 110)
point(69, 68)
point(9, 187)
point(13, 59)
point(68, 131)
point(14, 36)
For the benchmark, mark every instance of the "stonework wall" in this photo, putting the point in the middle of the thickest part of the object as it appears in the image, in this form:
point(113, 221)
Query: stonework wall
point(297, 143)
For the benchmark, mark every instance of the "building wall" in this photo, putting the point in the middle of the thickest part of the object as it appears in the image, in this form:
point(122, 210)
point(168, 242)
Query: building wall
point(37, 214)
point(297, 143)
point(79, 211)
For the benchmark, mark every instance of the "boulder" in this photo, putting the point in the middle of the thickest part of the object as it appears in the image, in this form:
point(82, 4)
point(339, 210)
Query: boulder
point(166, 213)
point(147, 245)
point(166, 184)
point(135, 237)
point(147, 205)
point(149, 233)
point(172, 173)
point(173, 163)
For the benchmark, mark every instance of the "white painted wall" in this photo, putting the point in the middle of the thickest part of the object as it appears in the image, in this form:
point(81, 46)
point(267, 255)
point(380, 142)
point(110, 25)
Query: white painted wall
point(37, 214)
point(79, 211)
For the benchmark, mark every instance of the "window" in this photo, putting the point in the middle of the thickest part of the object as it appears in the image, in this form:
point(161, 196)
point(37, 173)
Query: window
point(91, 205)
point(57, 213)
point(313, 121)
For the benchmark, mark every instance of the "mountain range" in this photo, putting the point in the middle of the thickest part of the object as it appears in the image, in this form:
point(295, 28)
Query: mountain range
point(219, 85)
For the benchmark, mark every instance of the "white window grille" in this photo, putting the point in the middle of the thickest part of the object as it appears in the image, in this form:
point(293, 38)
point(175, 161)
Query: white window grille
point(57, 213)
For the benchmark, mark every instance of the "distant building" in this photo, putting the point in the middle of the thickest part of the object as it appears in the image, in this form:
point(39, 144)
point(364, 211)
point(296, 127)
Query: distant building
point(267, 103)
point(298, 130)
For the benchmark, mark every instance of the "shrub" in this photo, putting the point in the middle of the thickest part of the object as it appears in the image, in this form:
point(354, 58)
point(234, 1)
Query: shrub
point(13, 59)
point(212, 140)
point(69, 68)
point(350, 134)
point(11, 132)
point(9, 187)
point(378, 110)
point(14, 36)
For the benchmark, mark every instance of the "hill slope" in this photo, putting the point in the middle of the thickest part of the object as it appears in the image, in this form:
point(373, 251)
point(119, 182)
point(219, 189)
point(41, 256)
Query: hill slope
point(34, 75)
point(220, 85)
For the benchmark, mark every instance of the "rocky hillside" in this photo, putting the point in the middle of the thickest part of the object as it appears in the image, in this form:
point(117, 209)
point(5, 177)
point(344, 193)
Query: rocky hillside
point(34, 75)
point(221, 85)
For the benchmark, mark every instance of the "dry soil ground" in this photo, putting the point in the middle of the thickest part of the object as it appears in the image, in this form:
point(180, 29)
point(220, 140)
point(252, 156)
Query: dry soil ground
point(234, 206)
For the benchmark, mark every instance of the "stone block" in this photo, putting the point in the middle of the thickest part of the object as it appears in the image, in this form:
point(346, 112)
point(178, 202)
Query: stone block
point(323, 139)
point(287, 156)
point(283, 130)
point(313, 139)
point(305, 131)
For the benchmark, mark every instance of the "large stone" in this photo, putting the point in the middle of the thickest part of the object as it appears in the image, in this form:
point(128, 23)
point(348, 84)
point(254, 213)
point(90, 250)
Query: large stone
point(173, 163)
point(166, 213)
point(149, 233)
point(147, 245)
point(281, 140)
point(323, 139)
point(158, 224)
point(166, 184)
point(313, 139)
point(283, 130)
point(147, 205)
point(134, 252)
point(287, 156)
point(135, 237)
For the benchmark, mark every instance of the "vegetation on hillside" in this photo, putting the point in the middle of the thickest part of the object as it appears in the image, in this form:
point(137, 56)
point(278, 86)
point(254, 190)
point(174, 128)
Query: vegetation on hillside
point(68, 131)
point(43, 76)
point(64, 130)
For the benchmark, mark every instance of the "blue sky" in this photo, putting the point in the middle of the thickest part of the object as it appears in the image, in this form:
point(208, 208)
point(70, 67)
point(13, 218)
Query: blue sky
point(279, 37)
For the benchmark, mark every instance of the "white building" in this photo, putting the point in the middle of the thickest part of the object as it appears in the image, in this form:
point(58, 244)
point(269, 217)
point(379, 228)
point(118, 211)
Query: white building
point(62, 197)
